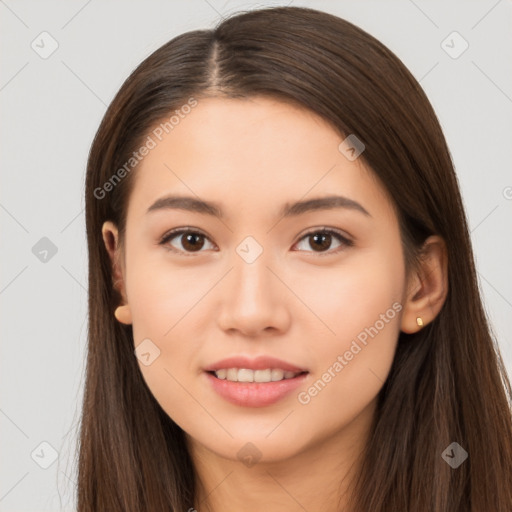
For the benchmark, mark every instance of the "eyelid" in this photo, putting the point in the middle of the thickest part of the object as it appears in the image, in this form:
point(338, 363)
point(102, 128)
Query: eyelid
point(345, 239)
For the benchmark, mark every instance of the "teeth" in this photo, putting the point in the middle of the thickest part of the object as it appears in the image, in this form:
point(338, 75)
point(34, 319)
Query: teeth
point(232, 374)
point(221, 374)
point(247, 375)
point(263, 375)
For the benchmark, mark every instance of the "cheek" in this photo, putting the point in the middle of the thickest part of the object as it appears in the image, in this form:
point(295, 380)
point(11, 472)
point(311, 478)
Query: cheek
point(163, 302)
point(161, 295)
point(352, 296)
point(362, 306)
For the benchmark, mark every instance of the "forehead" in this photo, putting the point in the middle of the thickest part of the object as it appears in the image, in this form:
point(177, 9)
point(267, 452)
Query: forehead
point(249, 153)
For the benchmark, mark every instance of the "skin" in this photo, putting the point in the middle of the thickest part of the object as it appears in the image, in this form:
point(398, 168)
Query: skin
point(296, 301)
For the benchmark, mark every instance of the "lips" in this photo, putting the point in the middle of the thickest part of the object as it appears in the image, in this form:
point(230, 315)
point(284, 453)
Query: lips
point(254, 394)
point(258, 363)
point(249, 393)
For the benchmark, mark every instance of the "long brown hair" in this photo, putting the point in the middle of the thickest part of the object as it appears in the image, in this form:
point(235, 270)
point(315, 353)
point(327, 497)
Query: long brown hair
point(447, 383)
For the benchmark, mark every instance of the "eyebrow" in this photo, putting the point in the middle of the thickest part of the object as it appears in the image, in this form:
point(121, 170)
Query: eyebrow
point(193, 204)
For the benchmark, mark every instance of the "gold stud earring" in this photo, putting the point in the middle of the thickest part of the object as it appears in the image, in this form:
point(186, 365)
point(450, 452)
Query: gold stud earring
point(419, 321)
point(123, 314)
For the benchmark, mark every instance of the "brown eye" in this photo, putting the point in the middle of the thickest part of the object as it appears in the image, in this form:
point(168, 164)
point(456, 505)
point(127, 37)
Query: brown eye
point(187, 241)
point(190, 241)
point(321, 240)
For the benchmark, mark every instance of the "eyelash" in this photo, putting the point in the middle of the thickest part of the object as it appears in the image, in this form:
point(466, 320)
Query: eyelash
point(180, 231)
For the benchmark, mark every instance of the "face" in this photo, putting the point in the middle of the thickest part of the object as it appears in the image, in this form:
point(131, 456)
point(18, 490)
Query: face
point(318, 289)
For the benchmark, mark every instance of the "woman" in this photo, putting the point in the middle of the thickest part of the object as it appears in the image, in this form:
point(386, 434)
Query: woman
point(284, 310)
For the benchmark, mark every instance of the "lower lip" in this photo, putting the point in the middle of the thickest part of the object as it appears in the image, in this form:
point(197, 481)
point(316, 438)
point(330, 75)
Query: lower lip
point(254, 394)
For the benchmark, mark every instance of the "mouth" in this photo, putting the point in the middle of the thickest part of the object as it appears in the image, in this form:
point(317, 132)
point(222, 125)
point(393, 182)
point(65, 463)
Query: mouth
point(254, 388)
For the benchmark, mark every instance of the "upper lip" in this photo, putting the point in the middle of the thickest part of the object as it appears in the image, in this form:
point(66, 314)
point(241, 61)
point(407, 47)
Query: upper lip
point(257, 363)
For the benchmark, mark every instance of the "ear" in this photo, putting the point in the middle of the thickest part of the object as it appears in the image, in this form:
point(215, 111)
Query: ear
point(110, 235)
point(427, 286)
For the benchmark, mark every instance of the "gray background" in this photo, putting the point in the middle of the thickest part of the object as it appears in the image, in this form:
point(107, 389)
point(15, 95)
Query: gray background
point(51, 108)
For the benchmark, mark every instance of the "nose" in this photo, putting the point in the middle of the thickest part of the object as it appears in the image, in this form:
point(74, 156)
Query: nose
point(254, 300)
